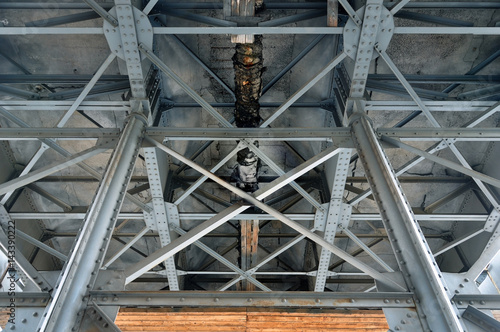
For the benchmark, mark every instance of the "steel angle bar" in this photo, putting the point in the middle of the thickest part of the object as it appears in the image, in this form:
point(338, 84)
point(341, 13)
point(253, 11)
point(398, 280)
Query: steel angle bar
point(138, 269)
point(217, 22)
point(71, 133)
point(164, 68)
point(178, 244)
point(110, 323)
point(18, 92)
point(255, 200)
point(102, 68)
point(66, 19)
point(486, 114)
point(418, 266)
point(269, 162)
point(365, 248)
point(102, 12)
point(448, 197)
point(397, 6)
point(59, 202)
point(203, 65)
point(257, 299)
point(13, 31)
point(421, 134)
point(293, 18)
point(202, 179)
point(433, 19)
point(481, 319)
point(475, 69)
point(292, 63)
point(262, 134)
point(304, 89)
point(34, 281)
point(270, 257)
point(52, 144)
point(80, 272)
point(453, 4)
point(458, 241)
point(41, 245)
point(434, 123)
point(489, 253)
point(122, 250)
point(149, 6)
point(485, 31)
point(50, 169)
point(224, 261)
point(442, 161)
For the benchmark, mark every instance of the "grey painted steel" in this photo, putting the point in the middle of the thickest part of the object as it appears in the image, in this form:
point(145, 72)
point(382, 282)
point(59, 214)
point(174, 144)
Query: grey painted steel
point(203, 65)
point(394, 8)
point(258, 299)
point(337, 214)
point(271, 5)
point(127, 246)
point(489, 253)
point(224, 261)
point(199, 18)
point(414, 256)
point(109, 323)
point(365, 248)
point(33, 176)
point(433, 19)
point(493, 31)
point(66, 19)
point(141, 267)
point(269, 162)
point(34, 281)
point(293, 18)
point(449, 143)
point(102, 12)
point(59, 202)
point(164, 68)
point(476, 69)
point(203, 178)
point(23, 94)
point(41, 245)
point(458, 241)
point(292, 63)
point(90, 247)
point(154, 259)
point(52, 144)
point(263, 134)
point(479, 318)
point(444, 162)
point(480, 301)
point(304, 89)
point(157, 169)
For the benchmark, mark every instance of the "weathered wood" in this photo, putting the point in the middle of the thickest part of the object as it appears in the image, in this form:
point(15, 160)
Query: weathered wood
point(250, 320)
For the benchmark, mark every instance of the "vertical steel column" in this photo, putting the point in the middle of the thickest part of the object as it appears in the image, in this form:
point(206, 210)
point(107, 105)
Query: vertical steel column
point(81, 269)
point(414, 256)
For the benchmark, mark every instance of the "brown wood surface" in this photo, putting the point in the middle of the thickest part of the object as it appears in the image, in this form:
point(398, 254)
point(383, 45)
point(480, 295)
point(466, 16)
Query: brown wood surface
point(250, 320)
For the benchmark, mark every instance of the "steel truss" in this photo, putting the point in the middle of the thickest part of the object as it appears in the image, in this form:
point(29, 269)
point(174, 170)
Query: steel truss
point(413, 292)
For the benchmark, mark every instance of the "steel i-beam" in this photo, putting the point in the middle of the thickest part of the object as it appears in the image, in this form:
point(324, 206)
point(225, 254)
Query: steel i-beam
point(79, 274)
point(420, 270)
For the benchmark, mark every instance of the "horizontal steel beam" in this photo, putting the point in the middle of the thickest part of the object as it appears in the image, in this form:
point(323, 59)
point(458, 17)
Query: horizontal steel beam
point(271, 5)
point(230, 299)
point(257, 299)
point(295, 216)
point(419, 79)
point(63, 79)
point(12, 31)
point(263, 134)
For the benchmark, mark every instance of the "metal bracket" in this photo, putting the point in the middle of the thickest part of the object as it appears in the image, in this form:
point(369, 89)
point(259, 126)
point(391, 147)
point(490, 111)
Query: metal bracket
point(492, 221)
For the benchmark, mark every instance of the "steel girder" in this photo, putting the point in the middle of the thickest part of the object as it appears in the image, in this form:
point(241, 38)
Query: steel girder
point(340, 137)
